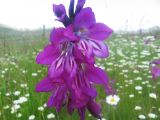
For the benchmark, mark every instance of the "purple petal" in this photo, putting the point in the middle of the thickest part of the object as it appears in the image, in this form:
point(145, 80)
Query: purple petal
point(84, 19)
point(95, 109)
point(57, 36)
point(79, 6)
point(85, 47)
point(51, 100)
point(79, 98)
point(99, 31)
point(90, 92)
point(99, 49)
point(48, 55)
point(57, 99)
point(57, 67)
point(69, 33)
point(97, 75)
point(45, 85)
point(81, 57)
point(70, 65)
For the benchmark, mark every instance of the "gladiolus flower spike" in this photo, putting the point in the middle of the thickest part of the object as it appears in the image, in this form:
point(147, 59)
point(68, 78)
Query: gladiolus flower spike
point(70, 58)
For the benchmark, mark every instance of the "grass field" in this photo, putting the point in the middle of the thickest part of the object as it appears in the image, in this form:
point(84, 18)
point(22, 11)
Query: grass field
point(128, 65)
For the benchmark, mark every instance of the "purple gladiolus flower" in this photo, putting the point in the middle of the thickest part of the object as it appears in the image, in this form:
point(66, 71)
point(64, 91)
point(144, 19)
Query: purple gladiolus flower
point(70, 58)
point(155, 69)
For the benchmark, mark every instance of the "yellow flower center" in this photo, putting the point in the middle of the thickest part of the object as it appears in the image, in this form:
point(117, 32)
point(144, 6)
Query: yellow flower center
point(112, 100)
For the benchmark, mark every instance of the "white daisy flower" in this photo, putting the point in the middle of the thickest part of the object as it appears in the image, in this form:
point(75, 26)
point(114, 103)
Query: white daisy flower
point(44, 105)
point(40, 108)
point(152, 115)
point(112, 99)
point(153, 95)
point(142, 117)
point(138, 88)
point(50, 116)
point(6, 107)
point(8, 94)
point(138, 108)
point(131, 95)
point(34, 74)
point(19, 115)
point(14, 108)
point(31, 117)
point(17, 93)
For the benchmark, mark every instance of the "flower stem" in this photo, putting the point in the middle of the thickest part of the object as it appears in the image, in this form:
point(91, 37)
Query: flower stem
point(57, 115)
point(113, 114)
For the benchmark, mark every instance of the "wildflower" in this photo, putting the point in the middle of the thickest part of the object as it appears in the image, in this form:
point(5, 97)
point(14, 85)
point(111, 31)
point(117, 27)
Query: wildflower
point(34, 74)
point(103, 118)
point(17, 93)
point(142, 117)
point(3, 72)
point(40, 108)
point(50, 116)
point(138, 108)
point(131, 95)
point(24, 71)
point(39, 71)
point(16, 102)
point(138, 88)
point(138, 78)
point(31, 117)
point(14, 81)
point(112, 99)
point(45, 105)
point(153, 95)
point(27, 95)
point(22, 100)
point(70, 58)
point(14, 108)
point(8, 94)
point(23, 85)
point(139, 92)
point(19, 115)
point(2, 76)
point(6, 107)
point(47, 85)
point(149, 86)
point(155, 69)
point(152, 115)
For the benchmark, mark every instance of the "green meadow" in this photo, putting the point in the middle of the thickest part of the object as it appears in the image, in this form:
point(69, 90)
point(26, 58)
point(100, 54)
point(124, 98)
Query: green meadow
point(128, 66)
